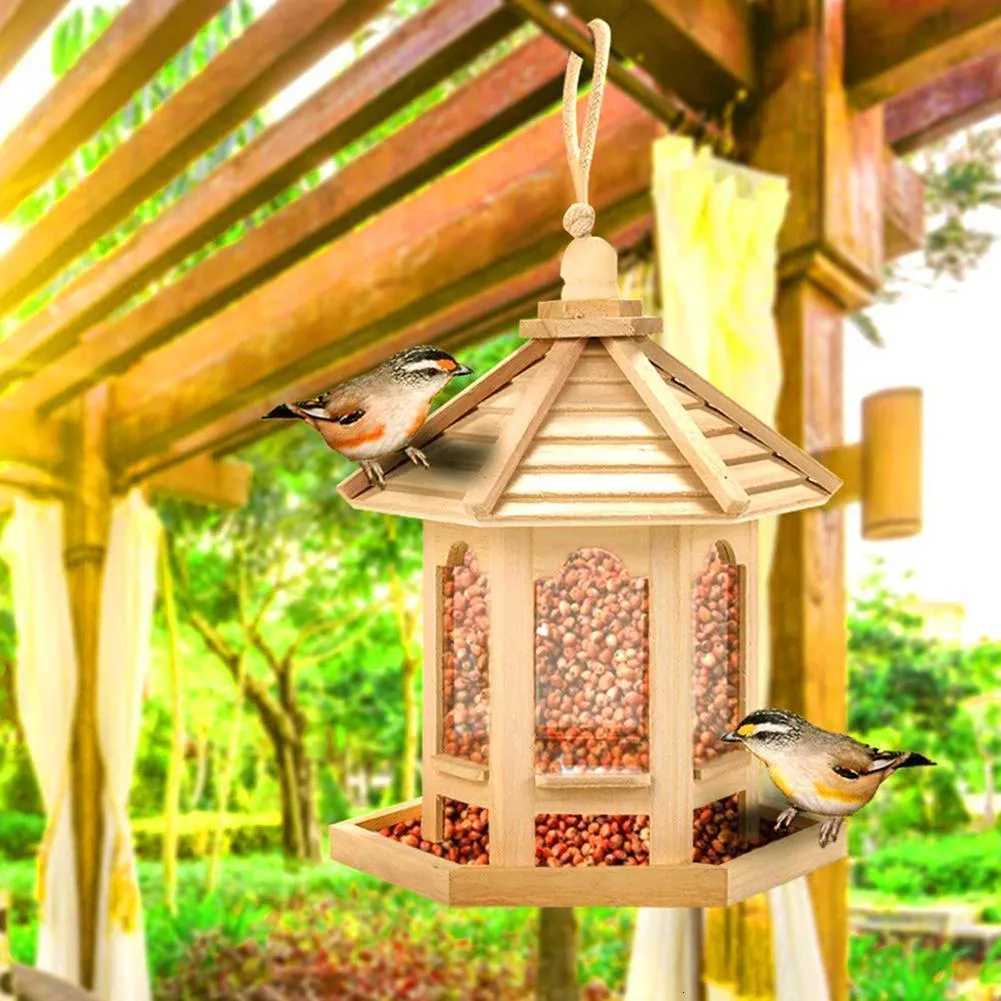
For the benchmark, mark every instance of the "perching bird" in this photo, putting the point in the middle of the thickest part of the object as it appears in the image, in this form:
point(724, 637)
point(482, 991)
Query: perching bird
point(373, 415)
point(820, 772)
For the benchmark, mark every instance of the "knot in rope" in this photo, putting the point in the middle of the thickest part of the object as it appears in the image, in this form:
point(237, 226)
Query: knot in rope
point(579, 218)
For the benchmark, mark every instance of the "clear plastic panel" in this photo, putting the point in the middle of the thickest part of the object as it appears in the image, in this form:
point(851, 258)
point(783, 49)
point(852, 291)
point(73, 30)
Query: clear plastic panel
point(718, 609)
point(465, 668)
point(592, 667)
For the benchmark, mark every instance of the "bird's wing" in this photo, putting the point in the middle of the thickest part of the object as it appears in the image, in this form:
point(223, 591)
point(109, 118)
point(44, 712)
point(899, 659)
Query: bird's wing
point(850, 758)
point(337, 407)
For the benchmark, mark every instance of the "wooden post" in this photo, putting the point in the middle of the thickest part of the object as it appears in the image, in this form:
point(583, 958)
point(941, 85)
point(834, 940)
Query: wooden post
point(512, 698)
point(87, 516)
point(831, 250)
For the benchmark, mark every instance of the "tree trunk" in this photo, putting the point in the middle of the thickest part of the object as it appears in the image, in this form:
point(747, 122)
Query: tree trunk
point(989, 811)
point(300, 836)
point(201, 768)
point(175, 764)
point(557, 972)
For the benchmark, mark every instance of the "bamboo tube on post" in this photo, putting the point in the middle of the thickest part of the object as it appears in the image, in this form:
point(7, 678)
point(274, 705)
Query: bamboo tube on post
point(891, 464)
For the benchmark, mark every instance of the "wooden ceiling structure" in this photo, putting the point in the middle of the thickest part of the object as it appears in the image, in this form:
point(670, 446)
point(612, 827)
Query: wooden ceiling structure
point(447, 231)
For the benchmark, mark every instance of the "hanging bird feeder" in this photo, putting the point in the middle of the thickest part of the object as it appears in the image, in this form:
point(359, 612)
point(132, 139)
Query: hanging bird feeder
point(590, 594)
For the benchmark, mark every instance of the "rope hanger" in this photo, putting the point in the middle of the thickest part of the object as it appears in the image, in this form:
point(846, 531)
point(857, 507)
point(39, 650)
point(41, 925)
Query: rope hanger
point(578, 220)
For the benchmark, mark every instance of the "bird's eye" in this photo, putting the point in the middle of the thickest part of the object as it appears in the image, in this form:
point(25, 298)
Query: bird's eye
point(352, 418)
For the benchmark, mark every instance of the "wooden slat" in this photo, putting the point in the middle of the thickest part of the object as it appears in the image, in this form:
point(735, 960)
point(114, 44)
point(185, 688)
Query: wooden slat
point(892, 48)
point(426, 49)
point(518, 430)
point(659, 454)
point(679, 424)
point(270, 54)
point(748, 422)
point(568, 483)
point(419, 257)
point(963, 96)
point(223, 483)
point(702, 50)
point(21, 22)
point(141, 38)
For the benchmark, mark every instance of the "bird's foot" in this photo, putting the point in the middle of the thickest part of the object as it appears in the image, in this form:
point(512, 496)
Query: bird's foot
point(785, 818)
point(374, 473)
point(417, 457)
point(829, 831)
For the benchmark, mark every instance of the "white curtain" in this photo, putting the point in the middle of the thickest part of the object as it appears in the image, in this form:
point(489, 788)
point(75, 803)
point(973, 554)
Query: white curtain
point(127, 600)
point(665, 958)
point(46, 684)
point(717, 231)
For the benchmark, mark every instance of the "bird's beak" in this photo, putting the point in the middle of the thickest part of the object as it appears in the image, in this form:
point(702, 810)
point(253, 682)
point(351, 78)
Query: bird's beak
point(281, 412)
point(731, 738)
point(461, 370)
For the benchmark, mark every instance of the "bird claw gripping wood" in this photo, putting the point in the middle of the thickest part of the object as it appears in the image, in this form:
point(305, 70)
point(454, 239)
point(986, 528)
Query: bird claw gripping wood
point(417, 457)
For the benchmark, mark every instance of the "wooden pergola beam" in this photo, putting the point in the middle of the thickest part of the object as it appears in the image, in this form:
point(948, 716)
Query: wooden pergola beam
point(491, 311)
point(701, 50)
point(962, 97)
point(21, 22)
point(895, 46)
point(222, 483)
point(414, 259)
point(142, 37)
point(903, 208)
point(270, 54)
point(520, 86)
point(425, 50)
point(30, 441)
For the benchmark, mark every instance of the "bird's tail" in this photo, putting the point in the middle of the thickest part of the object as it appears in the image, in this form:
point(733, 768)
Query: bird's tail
point(281, 412)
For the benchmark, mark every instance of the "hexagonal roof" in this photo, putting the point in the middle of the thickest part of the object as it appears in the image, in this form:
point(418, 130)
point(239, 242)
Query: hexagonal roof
point(593, 422)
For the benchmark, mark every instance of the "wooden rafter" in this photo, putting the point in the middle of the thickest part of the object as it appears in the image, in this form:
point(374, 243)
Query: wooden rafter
point(894, 46)
point(416, 258)
point(962, 97)
point(903, 208)
point(480, 112)
point(492, 310)
point(701, 50)
point(222, 483)
point(271, 53)
point(21, 22)
point(141, 38)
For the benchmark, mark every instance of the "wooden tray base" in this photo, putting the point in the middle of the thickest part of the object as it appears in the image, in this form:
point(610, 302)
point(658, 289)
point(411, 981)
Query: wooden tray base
point(357, 843)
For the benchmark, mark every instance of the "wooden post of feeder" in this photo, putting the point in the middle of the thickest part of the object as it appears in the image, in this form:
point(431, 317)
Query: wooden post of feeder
point(512, 699)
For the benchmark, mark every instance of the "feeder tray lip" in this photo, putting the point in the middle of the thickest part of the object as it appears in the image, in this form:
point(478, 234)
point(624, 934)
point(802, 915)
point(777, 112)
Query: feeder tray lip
point(357, 843)
point(603, 427)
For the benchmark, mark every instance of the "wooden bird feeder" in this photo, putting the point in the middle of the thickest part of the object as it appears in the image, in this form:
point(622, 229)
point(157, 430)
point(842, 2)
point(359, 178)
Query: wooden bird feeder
point(590, 594)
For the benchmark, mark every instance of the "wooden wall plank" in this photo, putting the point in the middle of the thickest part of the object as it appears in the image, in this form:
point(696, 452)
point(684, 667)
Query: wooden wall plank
point(961, 97)
point(701, 50)
point(21, 23)
point(519, 86)
point(418, 257)
point(894, 46)
point(141, 38)
point(270, 54)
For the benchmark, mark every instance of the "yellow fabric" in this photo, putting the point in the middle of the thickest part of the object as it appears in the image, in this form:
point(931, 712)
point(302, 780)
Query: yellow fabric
point(46, 686)
point(128, 595)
